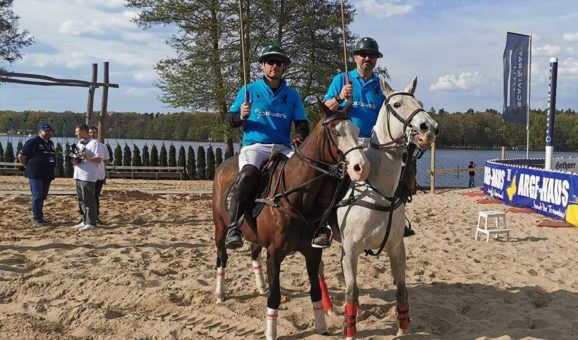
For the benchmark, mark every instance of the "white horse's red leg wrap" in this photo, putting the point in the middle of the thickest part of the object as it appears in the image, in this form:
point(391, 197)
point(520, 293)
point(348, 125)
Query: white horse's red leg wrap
point(220, 285)
point(350, 316)
point(403, 316)
point(259, 280)
point(325, 298)
point(271, 331)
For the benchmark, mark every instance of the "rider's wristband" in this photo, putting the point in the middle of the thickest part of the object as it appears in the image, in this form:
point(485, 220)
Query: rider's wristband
point(338, 100)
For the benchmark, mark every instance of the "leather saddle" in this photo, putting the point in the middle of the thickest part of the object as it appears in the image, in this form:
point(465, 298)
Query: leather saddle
point(268, 168)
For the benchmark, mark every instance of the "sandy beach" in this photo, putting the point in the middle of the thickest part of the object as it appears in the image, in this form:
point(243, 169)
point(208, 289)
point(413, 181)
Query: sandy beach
point(148, 272)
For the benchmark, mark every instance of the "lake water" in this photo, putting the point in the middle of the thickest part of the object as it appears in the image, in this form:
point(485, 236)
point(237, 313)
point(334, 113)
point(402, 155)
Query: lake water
point(445, 158)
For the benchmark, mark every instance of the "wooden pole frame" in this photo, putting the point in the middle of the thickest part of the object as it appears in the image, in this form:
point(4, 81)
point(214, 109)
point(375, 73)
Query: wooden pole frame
point(42, 80)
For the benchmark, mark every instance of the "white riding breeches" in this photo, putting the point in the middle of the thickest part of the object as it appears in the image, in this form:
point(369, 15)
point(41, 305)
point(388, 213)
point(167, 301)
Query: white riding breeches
point(257, 154)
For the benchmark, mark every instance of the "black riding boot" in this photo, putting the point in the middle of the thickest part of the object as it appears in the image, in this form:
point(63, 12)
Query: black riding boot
point(243, 192)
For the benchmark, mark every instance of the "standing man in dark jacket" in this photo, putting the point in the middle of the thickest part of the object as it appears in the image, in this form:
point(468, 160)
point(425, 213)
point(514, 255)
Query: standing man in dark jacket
point(39, 160)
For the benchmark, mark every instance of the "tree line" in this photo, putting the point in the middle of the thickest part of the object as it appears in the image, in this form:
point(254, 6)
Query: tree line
point(469, 130)
point(197, 166)
point(486, 130)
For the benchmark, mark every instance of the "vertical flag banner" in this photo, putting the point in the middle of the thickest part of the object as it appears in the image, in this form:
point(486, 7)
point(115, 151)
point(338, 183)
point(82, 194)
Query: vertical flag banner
point(516, 59)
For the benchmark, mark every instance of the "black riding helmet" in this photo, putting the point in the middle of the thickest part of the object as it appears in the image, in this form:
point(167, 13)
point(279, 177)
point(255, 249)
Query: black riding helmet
point(367, 45)
point(274, 50)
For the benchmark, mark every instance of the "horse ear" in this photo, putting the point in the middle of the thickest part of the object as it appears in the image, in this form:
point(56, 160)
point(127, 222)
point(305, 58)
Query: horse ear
point(385, 88)
point(411, 86)
point(324, 109)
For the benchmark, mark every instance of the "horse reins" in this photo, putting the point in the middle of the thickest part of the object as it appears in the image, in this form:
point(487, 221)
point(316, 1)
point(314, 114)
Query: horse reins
point(400, 142)
point(327, 169)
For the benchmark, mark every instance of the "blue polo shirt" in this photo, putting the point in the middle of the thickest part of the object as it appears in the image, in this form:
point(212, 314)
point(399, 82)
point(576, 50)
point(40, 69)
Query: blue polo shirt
point(41, 158)
point(271, 113)
point(367, 99)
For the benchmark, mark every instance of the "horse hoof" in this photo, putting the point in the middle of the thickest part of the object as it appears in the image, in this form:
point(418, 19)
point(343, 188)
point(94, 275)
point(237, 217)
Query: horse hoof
point(401, 332)
point(322, 331)
point(220, 299)
point(331, 312)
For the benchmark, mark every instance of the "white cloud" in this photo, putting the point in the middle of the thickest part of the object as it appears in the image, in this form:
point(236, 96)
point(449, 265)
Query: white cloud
point(570, 36)
point(146, 75)
point(568, 66)
point(103, 3)
point(386, 8)
point(546, 50)
point(78, 27)
point(141, 91)
point(464, 81)
point(70, 60)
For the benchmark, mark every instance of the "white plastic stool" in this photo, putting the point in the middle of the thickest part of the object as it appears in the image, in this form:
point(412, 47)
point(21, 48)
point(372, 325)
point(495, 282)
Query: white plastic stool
point(498, 229)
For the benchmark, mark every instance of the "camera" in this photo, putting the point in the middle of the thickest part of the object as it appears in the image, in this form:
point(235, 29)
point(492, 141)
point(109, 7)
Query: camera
point(75, 154)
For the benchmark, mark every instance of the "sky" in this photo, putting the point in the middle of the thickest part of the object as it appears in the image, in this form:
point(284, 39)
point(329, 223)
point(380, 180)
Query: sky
point(453, 47)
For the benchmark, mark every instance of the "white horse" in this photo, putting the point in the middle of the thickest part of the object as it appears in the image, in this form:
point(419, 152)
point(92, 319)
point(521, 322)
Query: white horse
point(376, 217)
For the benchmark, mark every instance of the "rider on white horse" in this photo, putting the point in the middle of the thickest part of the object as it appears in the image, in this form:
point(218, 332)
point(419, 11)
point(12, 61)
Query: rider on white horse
point(364, 89)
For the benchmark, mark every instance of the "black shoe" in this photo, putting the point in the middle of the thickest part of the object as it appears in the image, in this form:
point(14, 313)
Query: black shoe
point(408, 232)
point(322, 238)
point(234, 239)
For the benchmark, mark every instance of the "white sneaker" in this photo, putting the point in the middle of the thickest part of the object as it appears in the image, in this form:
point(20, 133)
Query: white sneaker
point(87, 227)
point(36, 224)
point(79, 225)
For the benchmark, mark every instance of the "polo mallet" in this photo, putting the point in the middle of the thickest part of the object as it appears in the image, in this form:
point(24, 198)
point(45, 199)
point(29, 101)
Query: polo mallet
point(242, 35)
point(344, 43)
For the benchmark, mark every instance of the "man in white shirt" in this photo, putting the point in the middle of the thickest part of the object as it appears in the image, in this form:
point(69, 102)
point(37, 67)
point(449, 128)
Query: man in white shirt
point(85, 175)
point(101, 177)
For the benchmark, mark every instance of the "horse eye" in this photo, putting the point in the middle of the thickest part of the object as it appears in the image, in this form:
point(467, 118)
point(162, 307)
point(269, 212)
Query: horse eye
point(336, 134)
point(397, 105)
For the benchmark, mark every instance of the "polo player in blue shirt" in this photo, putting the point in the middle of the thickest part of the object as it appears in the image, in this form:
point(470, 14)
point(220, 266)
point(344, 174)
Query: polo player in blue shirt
point(266, 121)
point(365, 91)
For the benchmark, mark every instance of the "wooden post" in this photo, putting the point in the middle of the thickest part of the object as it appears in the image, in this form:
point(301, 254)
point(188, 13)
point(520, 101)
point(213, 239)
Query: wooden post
point(90, 103)
point(104, 104)
point(503, 152)
point(432, 171)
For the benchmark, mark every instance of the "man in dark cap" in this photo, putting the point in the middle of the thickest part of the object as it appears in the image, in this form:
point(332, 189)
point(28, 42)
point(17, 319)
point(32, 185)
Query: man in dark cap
point(266, 117)
point(39, 160)
point(365, 91)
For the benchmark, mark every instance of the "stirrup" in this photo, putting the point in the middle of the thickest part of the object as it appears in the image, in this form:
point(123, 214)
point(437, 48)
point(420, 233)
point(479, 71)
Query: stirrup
point(234, 238)
point(322, 231)
point(408, 231)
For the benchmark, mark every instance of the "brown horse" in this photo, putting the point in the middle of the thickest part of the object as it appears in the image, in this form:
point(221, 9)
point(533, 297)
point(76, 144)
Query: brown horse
point(296, 206)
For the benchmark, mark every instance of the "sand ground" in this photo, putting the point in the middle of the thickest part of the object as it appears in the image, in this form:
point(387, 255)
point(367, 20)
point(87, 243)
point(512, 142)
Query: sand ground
point(148, 272)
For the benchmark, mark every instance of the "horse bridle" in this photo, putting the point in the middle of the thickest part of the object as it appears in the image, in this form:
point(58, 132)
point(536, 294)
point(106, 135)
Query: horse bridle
point(403, 140)
point(400, 142)
point(338, 169)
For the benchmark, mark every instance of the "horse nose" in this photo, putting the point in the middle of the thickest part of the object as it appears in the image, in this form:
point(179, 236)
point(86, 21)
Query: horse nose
point(426, 127)
point(357, 168)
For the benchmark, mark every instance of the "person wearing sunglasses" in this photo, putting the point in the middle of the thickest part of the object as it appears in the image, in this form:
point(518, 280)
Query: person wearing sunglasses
point(266, 122)
point(365, 92)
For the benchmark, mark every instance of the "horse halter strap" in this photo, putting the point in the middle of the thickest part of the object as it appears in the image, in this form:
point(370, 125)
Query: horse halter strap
point(402, 140)
point(334, 170)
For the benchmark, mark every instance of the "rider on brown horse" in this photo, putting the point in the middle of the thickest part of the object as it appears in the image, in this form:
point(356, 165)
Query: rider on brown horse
point(266, 121)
